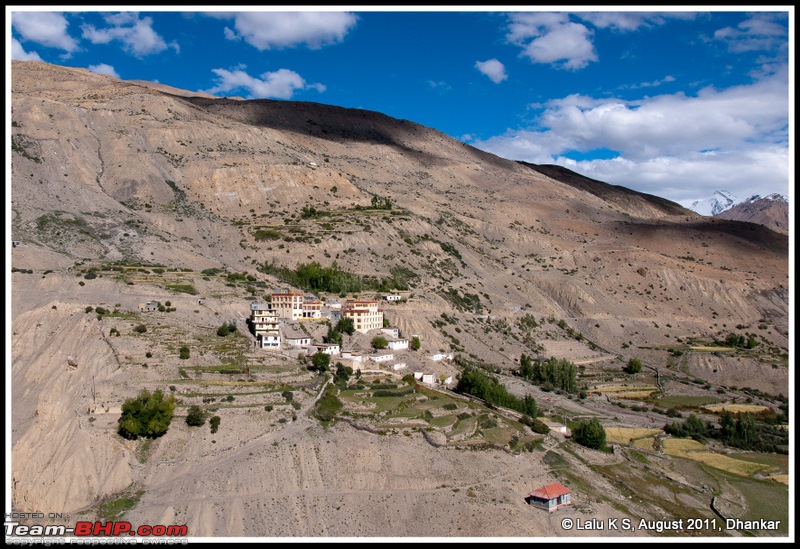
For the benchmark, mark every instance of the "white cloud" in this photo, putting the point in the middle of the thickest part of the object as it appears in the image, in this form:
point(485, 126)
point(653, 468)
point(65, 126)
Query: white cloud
point(631, 21)
point(762, 32)
point(277, 30)
point(653, 84)
point(734, 139)
point(103, 68)
point(18, 53)
point(552, 38)
point(137, 35)
point(281, 84)
point(45, 28)
point(492, 68)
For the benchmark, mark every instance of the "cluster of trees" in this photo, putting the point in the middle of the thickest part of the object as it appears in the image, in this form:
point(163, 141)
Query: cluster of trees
point(740, 431)
point(474, 382)
point(551, 374)
point(590, 434)
point(741, 342)
point(379, 342)
point(146, 415)
point(381, 203)
point(314, 277)
point(344, 326)
point(227, 328)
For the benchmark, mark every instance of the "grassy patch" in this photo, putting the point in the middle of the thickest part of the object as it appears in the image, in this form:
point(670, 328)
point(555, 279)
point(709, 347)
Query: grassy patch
point(115, 509)
point(182, 288)
point(685, 401)
point(625, 435)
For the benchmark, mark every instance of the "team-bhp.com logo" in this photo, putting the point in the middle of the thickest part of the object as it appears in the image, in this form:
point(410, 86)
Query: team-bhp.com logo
point(96, 528)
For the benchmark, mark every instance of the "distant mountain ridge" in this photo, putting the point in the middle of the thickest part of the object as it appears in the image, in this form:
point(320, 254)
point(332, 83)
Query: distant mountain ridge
point(771, 211)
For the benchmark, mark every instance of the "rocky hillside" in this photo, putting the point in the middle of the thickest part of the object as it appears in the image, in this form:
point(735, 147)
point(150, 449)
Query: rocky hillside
point(771, 211)
point(124, 192)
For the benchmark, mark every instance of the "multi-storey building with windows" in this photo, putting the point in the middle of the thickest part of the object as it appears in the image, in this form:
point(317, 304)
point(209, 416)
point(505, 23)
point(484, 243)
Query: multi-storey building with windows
point(366, 315)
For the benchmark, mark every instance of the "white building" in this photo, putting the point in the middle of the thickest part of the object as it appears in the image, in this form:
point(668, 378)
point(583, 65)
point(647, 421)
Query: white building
point(391, 331)
point(397, 344)
point(399, 366)
point(441, 356)
point(266, 326)
point(365, 314)
point(381, 358)
point(350, 355)
point(392, 297)
point(328, 348)
point(428, 378)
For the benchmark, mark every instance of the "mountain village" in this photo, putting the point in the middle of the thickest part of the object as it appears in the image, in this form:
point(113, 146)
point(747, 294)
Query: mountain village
point(280, 325)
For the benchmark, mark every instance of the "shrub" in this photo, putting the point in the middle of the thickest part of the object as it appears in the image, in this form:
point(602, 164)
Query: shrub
point(379, 342)
point(140, 329)
point(415, 343)
point(184, 352)
point(196, 417)
point(214, 422)
point(147, 415)
point(634, 366)
point(288, 395)
point(321, 361)
point(590, 434)
point(89, 309)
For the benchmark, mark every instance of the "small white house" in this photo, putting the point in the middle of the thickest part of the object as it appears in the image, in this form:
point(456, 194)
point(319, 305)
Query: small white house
point(328, 348)
point(381, 358)
point(418, 375)
point(441, 356)
point(428, 378)
point(270, 340)
point(350, 355)
point(398, 366)
point(391, 331)
point(448, 380)
point(298, 340)
point(392, 297)
point(148, 307)
point(397, 344)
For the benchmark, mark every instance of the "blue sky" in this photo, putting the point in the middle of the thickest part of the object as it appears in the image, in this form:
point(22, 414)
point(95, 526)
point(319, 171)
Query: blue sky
point(673, 103)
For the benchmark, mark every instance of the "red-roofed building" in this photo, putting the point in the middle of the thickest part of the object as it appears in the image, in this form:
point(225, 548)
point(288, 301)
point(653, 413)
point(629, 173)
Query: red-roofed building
point(550, 497)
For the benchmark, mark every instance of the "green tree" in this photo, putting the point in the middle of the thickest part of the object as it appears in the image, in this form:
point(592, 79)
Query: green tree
point(415, 343)
point(321, 361)
point(184, 352)
point(214, 423)
point(379, 342)
point(342, 374)
point(634, 366)
point(196, 416)
point(146, 415)
point(346, 326)
point(590, 434)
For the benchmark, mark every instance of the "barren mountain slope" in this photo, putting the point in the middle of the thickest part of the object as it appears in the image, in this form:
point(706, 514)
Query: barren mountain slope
point(129, 179)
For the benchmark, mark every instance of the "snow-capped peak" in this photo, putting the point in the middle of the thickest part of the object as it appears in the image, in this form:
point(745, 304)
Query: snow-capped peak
point(715, 204)
point(775, 197)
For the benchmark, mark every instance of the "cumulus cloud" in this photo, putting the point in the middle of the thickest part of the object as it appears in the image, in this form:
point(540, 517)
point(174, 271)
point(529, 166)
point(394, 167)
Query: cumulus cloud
point(103, 68)
point(492, 68)
point(281, 84)
point(137, 35)
point(735, 136)
point(45, 28)
point(277, 30)
point(18, 53)
point(552, 38)
point(762, 32)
